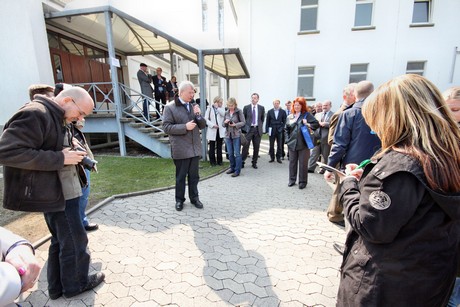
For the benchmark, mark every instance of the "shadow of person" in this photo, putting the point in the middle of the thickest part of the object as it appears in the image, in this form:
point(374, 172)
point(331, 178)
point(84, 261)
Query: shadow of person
point(238, 276)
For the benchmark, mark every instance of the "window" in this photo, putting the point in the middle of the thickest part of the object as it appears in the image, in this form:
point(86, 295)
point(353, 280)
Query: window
point(422, 11)
point(72, 47)
point(358, 72)
point(308, 15)
point(214, 79)
point(194, 78)
point(305, 80)
point(417, 68)
point(363, 14)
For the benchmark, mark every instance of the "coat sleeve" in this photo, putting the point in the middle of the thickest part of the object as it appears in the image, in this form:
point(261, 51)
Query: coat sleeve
point(267, 121)
point(22, 140)
point(314, 124)
point(378, 209)
point(169, 124)
point(209, 123)
point(342, 137)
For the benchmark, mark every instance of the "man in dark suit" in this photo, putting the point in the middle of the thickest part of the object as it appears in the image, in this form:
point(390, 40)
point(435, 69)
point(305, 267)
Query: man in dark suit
point(254, 115)
point(274, 126)
point(145, 79)
point(159, 82)
point(321, 134)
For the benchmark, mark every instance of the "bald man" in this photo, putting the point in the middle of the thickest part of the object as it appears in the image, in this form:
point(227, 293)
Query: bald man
point(40, 175)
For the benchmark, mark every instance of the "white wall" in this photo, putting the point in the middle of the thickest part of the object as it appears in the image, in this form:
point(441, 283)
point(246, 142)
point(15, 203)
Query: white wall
point(276, 50)
point(24, 53)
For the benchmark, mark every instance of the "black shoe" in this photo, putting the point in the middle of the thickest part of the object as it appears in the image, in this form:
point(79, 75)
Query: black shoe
point(179, 205)
point(94, 280)
point(198, 204)
point(235, 175)
point(219, 163)
point(213, 164)
point(254, 166)
point(302, 186)
point(339, 223)
point(230, 171)
point(279, 160)
point(338, 248)
point(322, 171)
point(91, 227)
point(311, 171)
point(55, 296)
point(242, 165)
point(271, 160)
point(290, 184)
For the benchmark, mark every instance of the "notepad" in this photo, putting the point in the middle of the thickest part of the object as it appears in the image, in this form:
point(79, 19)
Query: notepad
point(331, 169)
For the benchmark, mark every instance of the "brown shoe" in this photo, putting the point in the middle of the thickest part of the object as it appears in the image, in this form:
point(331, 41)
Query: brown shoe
point(235, 175)
point(230, 171)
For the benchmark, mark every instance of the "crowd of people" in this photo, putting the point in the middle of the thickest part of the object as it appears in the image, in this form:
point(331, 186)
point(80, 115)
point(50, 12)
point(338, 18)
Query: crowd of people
point(398, 146)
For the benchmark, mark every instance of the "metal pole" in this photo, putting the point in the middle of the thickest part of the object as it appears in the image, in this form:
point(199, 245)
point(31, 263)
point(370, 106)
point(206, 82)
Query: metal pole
point(114, 77)
point(202, 72)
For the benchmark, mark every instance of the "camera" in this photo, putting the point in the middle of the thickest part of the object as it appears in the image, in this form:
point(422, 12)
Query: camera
point(88, 163)
point(231, 122)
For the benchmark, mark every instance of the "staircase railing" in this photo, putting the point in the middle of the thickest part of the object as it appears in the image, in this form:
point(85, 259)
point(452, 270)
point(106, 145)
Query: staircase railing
point(132, 102)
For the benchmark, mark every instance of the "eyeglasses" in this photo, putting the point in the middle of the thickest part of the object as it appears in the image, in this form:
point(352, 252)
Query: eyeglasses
point(79, 109)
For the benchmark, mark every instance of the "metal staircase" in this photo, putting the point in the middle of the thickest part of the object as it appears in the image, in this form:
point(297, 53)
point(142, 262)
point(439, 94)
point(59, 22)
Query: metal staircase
point(148, 132)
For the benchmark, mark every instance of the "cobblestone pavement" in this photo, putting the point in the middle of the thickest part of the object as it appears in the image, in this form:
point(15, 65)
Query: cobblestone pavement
point(257, 242)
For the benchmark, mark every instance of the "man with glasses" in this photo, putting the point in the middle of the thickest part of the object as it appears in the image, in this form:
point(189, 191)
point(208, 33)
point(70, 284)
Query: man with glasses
point(40, 175)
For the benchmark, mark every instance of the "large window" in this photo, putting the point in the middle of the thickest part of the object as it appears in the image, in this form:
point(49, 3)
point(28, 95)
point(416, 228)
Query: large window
point(306, 76)
point(415, 68)
point(363, 13)
point(422, 11)
point(358, 72)
point(194, 78)
point(308, 15)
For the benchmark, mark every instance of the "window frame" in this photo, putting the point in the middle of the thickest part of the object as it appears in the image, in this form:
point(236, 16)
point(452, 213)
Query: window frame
point(369, 26)
point(309, 7)
point(308, 96)
point(429, 21)
point(358, 73)
point(416, 71)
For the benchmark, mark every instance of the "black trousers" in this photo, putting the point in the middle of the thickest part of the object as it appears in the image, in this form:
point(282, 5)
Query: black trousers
point(160, 97)
point(187, 168)
point(213, 146)
point(278, 137)
point(254, 137)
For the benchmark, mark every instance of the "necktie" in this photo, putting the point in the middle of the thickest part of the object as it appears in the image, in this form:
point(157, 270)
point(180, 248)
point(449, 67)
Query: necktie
point(188, 107)
point(323, 117)
point(254, 115)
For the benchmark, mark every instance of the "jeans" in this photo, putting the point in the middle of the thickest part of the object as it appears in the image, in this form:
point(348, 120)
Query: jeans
point(234, 155)
point(145, 109)
point(84, 199)
point(68, 260)
point(454, 300)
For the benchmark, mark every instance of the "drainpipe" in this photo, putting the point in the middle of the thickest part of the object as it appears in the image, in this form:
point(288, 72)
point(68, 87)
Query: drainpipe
point(115, 86)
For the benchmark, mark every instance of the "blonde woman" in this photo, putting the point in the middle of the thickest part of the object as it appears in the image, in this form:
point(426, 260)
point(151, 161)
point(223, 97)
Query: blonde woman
point(404, 207)
point(233, 121)
point(452, 97)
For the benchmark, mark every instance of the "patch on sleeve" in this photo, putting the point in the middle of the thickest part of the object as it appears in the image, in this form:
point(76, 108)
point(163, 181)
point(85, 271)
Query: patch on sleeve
point(380, 200)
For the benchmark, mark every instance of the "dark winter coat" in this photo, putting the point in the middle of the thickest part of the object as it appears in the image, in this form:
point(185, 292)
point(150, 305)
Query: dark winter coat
point(402, 249)
point(31, 153)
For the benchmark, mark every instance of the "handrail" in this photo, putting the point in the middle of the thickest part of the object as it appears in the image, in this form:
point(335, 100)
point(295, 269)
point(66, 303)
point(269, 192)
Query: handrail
point(132, 102)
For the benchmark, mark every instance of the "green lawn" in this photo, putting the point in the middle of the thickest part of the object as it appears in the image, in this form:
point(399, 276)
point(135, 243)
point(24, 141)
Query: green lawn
point(118, 175)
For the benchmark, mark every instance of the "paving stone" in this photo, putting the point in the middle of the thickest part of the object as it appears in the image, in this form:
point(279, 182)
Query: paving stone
point(264, 252)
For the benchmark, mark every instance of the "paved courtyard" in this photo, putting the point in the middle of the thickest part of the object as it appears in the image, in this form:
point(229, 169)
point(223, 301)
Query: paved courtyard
point(257, 242)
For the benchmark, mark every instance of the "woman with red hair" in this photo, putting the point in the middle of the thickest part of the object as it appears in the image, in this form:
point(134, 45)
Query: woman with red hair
point(299, 153)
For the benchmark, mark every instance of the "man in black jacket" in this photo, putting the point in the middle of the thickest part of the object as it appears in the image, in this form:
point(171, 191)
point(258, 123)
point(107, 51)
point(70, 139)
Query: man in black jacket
point(159, 82)
point(40, 175)
point(274, 126)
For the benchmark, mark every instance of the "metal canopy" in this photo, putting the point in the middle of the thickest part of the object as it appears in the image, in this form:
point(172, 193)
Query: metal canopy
point(134, 37)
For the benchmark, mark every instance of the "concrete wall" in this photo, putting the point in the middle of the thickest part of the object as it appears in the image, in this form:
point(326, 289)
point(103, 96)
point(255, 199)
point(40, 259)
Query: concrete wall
point(24, 53)
point(269, 35)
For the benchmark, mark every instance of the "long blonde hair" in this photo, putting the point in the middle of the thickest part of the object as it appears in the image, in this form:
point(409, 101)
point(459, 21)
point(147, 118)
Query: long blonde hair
point(409, 114)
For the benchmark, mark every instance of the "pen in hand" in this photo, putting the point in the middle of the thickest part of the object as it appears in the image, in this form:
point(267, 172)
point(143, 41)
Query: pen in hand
point(363, 164)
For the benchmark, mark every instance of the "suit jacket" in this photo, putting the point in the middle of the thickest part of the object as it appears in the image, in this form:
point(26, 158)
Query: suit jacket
point(144, 81)
point(322, 132)
point(277, 124)
point(247, 111)
point(160, 85)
